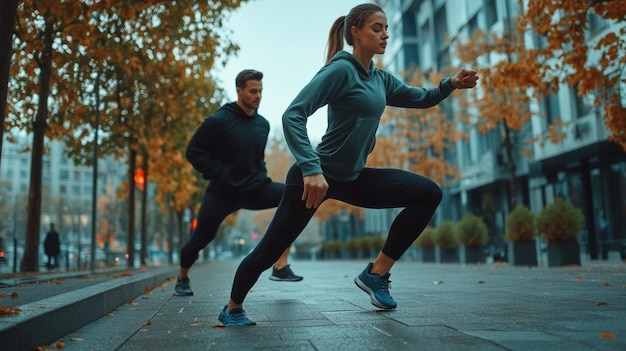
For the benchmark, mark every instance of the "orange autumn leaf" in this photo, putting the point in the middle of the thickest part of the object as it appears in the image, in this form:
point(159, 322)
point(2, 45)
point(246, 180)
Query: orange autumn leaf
point(607, 335)
point(5, 311)
point(14, 295)
point(602, 303)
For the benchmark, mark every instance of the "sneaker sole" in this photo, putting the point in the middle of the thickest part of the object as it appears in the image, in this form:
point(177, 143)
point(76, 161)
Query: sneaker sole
point(370, 292)
point(279, 279)
point(183, 294)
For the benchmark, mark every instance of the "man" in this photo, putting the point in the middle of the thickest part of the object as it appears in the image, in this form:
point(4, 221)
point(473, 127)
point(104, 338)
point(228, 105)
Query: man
point(52, 247)
point(229, 150)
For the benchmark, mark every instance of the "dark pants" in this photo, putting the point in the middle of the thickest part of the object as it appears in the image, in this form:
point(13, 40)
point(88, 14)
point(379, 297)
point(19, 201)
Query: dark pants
point(374, 188)
point(216, 206)
point(53, 261)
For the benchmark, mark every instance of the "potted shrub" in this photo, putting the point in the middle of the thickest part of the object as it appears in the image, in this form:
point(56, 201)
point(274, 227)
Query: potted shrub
point(472, 234)
point(520, 237)
point(425, 243)
point(447, 245)
point(559, 224)
point(331, 249)
point(353, 246)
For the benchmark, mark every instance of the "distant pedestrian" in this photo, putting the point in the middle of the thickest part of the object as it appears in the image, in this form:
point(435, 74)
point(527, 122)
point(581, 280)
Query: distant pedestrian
point(229, 150)
point(356, 92)
point(52, 247)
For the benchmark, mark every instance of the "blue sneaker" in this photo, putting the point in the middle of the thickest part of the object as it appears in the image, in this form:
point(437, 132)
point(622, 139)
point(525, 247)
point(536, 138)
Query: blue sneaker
point(234, 318)
point(377, 286)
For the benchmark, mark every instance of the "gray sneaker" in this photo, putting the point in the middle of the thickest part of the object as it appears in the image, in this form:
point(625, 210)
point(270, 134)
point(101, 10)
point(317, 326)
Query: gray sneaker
point(284, 274)
point(182, 287)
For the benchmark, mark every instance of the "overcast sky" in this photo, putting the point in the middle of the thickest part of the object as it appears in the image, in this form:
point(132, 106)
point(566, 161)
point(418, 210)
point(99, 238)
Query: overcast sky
point(286, 40)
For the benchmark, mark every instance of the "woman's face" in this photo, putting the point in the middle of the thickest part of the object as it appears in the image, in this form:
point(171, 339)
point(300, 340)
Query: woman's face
point(372, 37)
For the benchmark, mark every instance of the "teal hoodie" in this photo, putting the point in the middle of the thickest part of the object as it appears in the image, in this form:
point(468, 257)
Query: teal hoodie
point(356, 99)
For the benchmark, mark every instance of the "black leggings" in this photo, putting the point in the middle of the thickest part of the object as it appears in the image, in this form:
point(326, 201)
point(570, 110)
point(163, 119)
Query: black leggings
point(216, 206)
point(374, 188)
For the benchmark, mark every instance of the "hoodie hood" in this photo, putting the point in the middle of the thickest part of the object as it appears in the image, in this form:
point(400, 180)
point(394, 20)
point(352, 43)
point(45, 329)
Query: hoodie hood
point(233, 108)
point(363, 73)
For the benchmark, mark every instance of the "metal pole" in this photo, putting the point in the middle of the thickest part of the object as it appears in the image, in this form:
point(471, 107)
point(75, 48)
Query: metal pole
point(94, 190)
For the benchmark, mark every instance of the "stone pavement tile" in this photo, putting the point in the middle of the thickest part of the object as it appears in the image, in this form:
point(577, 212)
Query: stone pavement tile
point(441, 307)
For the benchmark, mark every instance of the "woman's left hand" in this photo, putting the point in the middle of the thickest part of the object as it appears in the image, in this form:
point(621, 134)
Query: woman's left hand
point(464, 80)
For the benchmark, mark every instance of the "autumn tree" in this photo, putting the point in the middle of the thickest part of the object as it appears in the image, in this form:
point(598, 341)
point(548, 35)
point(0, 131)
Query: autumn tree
point(510, 82)
point(100, 57)
point(7, 21)
point(417, 139)
point(585, 42)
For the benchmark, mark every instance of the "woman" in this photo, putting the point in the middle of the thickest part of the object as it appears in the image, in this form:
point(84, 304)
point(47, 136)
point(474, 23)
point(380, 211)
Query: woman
point(356, 93)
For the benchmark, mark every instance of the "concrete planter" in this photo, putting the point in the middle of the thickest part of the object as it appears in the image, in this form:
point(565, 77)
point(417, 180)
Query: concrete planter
point(522, 253)
point(426, 254)
point(564, 253)
point(472, 254)
point(447, 255)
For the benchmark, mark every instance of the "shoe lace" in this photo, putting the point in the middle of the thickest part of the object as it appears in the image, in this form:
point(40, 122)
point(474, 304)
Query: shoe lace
point(238, 316)
point(385, 284)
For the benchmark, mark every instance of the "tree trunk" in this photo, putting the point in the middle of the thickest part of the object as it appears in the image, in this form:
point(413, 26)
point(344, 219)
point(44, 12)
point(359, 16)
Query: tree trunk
point(132, 159)
point(33, 225)
point(7, 22)
point(512, 167)
point(144, 200)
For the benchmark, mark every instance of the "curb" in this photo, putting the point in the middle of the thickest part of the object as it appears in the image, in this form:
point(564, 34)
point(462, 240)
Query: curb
point(44, 322)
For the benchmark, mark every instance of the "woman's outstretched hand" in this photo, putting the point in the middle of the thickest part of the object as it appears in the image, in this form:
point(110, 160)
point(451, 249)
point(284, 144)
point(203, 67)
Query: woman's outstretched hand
point(465, 79)
point(315, 187)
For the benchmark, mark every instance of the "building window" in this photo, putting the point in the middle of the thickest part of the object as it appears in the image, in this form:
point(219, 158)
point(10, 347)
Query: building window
point(582, 107)
point(491, 13)
point(64, 174)
point(551, 109)
point(63, 189)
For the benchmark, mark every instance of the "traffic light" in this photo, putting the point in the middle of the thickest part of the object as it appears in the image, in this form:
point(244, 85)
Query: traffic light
point(140, 179)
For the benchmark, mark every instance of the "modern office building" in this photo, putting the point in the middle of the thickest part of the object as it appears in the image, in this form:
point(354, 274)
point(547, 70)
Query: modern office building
point(584, 168)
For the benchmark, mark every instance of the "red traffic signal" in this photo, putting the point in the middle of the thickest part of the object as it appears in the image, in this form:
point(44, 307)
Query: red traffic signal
point(140, 179)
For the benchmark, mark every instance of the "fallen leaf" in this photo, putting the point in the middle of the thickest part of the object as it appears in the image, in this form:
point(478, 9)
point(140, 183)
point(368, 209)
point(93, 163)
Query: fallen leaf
point(59, 345)
point(126, 274)
point(602, 303)
point(607, 335)
point(579, 278)
point(5, 311)
point(58, 282)
point(481, 282)
point(2, 295)
point(149, 323)
point(219, 326)
point(14, 295)
point(607, 284)
point(132, 303)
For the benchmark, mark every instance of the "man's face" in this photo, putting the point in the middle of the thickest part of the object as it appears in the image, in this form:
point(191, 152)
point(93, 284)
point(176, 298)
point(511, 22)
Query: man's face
point(249, 97)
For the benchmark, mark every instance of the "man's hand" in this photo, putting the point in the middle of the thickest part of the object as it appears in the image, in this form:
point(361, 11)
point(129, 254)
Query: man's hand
point(315, 187)
point(464, 80)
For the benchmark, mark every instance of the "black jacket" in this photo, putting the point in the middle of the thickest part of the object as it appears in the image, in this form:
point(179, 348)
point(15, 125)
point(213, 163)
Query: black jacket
point(229, 149)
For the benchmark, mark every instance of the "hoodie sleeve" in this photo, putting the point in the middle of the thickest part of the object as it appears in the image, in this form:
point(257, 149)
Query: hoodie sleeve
point(327, 85)
point(202, 148)
point(400, 94)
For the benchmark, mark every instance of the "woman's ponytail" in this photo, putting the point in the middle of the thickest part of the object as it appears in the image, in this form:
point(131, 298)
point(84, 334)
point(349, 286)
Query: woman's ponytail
point(335, 38)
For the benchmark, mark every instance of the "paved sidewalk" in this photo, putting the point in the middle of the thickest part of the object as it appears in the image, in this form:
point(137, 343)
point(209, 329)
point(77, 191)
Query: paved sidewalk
point(440, 307)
